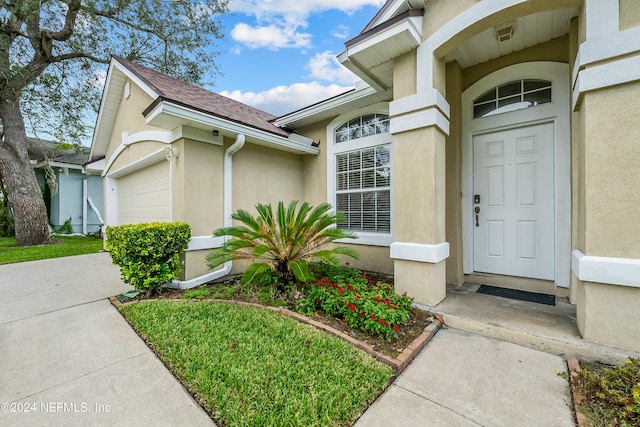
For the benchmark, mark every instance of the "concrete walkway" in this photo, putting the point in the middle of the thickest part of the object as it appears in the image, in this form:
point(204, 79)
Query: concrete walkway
point(67, 357)
point(462, 379)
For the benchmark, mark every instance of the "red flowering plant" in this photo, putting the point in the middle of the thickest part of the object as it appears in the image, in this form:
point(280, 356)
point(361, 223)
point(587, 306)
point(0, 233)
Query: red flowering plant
point(366, 303)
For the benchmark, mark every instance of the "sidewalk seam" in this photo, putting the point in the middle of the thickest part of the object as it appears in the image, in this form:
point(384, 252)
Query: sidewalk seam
point(53, 311)
point(439, 404)
point(84, 375)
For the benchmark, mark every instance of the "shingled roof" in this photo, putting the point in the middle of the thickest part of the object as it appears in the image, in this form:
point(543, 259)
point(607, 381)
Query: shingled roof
point(187, 95)
point(40, 150)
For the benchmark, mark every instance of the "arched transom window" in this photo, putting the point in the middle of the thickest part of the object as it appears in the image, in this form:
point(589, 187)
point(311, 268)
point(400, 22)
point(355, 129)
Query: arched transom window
point(363, 126)
point(512, 96)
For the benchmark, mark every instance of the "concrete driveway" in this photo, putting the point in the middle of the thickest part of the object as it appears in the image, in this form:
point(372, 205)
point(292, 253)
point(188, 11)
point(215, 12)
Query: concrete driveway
point(69, 358)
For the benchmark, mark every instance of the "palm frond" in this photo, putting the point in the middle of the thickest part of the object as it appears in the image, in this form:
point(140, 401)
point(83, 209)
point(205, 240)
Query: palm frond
point(283, 242)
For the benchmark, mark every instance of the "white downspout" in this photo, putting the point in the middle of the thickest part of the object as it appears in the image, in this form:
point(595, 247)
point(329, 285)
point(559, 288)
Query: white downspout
point(227, 195)
point(84, 205)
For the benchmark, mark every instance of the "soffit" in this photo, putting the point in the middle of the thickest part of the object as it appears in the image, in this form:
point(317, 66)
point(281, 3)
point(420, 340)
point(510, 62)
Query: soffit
point(530, 30)
point(370, 55)
point(110, 103)
point(362, 96)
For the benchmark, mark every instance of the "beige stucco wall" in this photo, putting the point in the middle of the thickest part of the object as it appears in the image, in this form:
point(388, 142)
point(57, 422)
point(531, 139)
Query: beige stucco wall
point(129, 117)
point(612, 162)
point(314, 168)
point(419, 186)
point(609, 315)
point(404, 75)
point(440, 12)
point(629, 14)
point(555, 50)
point(199, 180)
point(263, 175)
point(195, 264)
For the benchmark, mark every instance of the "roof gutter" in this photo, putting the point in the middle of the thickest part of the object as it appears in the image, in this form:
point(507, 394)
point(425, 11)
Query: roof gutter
point(227, 210)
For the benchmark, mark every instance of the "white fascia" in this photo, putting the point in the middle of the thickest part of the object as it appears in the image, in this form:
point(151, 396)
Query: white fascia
point(141, 163)
point(292, 144)
point(408, 35)
point(135, 79)
point(361, 71)
point(59, 165)
point(392, 10)
point(411, 26)
point(420, 252)
point(95, 167)
point(612, 271)
point(359, 92)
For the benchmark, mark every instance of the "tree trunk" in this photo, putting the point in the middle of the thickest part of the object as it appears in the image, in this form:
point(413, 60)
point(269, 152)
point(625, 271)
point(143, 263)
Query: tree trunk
point(29, 212)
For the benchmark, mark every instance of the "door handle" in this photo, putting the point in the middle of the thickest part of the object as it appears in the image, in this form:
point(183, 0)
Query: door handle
point(477, 209)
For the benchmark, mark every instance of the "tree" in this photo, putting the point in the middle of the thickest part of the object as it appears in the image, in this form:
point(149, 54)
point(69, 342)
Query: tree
point(52, 61)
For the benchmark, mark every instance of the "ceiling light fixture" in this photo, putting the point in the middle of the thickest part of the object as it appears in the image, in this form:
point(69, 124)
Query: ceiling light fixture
point(505, 32)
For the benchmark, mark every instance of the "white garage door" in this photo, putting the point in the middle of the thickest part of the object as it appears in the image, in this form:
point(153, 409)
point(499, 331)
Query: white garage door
point(143, 196)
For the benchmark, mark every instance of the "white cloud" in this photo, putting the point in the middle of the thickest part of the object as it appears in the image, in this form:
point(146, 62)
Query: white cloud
point(298, 8)
point(340, 32)
point(279, 20)
point(285, 99)
point(325, 66)
point(270, 36)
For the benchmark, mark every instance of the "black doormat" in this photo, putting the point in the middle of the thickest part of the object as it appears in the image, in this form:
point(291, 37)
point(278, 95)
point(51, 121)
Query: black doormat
point(516, 294)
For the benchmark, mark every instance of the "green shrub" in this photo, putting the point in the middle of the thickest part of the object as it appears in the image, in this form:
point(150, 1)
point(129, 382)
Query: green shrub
point(66, 228)
point(364, 302)
point(281, 245)
point(612, 393)
point(148, 254)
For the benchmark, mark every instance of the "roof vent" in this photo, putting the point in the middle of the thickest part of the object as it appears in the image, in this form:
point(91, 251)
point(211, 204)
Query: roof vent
point(505, 32)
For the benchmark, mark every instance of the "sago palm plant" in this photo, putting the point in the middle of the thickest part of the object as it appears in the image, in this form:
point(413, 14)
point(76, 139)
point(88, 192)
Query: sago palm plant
point(281, 245)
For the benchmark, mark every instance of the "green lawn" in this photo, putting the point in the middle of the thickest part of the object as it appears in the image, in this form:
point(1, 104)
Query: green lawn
point(250, 366)
point(61, 247)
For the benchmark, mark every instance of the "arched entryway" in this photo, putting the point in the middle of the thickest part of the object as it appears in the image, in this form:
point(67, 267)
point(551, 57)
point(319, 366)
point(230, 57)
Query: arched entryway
point(516, 211)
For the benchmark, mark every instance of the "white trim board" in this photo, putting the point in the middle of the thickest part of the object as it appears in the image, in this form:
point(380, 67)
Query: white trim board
point(198, 243)
point(420, 252)
point(612, 271)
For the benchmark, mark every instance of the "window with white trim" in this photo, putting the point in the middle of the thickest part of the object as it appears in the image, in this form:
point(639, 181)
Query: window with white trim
point(512, 96)
point(362, 174)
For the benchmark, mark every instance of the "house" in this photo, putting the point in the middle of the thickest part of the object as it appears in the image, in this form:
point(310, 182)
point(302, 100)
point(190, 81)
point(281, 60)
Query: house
point(489, 141)
point(78, 195)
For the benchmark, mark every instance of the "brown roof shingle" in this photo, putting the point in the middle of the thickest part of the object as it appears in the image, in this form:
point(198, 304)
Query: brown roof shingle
point(185, 94)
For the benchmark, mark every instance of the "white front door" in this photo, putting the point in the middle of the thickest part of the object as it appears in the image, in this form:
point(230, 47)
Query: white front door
point(513, 221)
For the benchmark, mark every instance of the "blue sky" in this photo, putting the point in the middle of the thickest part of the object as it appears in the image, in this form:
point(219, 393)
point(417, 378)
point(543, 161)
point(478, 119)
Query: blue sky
point(279, 55)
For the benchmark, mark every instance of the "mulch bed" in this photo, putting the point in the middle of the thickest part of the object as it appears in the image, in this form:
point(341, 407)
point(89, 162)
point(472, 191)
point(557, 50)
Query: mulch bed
point(577, 393)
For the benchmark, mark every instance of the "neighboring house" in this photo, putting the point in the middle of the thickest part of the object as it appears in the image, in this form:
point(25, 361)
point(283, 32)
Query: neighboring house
point(78, 195)
point(490, 141)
